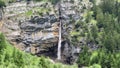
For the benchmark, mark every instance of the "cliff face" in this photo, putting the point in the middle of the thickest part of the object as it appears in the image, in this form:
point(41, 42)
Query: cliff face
point(30, 25)
point(34, 27)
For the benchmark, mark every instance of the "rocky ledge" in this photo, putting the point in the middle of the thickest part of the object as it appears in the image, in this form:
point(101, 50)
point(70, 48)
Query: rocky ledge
point(36, 31)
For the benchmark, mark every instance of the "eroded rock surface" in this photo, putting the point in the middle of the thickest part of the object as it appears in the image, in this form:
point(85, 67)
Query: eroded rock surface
point(36, 30)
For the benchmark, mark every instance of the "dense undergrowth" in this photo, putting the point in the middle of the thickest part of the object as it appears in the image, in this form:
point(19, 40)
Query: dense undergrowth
point(102, 29)
point(10, 57)
point(101, 57)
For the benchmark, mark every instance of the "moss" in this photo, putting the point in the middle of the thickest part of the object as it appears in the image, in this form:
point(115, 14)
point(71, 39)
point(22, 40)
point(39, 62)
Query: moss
point(74, 33)
point(29, 13)
point(42, 10)
point(2, 4)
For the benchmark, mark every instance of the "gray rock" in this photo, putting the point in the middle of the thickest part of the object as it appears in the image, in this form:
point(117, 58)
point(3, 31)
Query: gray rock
point(42, 31)
point(53, 19)
point(1, 14)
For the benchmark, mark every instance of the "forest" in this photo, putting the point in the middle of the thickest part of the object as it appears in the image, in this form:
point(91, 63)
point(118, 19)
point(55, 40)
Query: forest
point(105, 33)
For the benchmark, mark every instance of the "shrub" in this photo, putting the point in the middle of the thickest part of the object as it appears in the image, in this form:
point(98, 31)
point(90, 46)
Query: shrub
point(2, 4)
point(101, 57)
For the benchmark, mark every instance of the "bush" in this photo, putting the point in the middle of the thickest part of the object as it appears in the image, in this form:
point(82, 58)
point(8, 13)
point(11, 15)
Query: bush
point(2, 4)
point(54, 1)
point(95, 66)
point(101, 57)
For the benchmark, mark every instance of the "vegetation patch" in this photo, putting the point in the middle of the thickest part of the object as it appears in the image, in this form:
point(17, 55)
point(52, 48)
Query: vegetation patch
point(10, 57)
point(29, 13)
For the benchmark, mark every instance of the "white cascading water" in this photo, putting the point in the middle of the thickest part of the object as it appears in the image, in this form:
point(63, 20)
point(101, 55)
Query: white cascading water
point(60, 36)
point(59, 44)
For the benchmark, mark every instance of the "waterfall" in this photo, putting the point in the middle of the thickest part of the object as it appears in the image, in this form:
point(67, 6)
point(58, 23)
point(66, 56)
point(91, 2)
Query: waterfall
point(59, 44)
point(59, 41)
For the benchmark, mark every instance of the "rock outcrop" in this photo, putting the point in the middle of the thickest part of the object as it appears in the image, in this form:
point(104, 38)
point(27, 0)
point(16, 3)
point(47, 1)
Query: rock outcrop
point(34, 28)
point(1, 13)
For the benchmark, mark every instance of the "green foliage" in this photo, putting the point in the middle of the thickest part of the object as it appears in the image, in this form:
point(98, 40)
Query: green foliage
point(38, 0)
point(104, 33)
point(29, 13)
point(12, 1)
point(2, 4)
point(84, 57)
point(105, 30)
point(106, 60)
point(54, 1)
point(95, 66)
point(13, 58)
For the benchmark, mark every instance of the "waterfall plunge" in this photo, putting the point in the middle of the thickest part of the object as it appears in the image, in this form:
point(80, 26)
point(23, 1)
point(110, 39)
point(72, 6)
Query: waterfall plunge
point(60, 36)
point(59, 43)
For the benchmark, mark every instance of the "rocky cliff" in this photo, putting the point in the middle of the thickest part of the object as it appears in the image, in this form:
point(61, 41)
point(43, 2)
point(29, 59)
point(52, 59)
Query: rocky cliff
point(34, 27)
